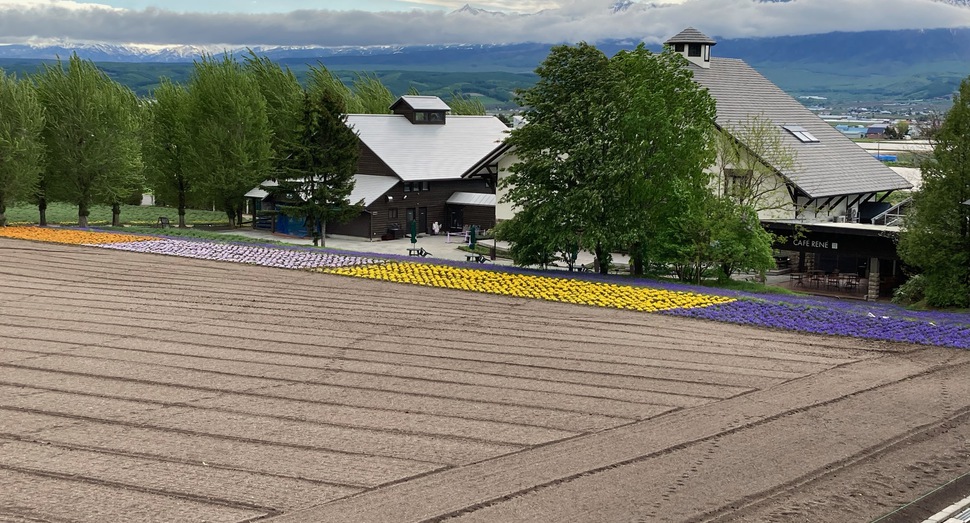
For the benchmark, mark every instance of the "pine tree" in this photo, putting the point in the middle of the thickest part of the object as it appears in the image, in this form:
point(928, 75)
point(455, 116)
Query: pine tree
point(318, 172)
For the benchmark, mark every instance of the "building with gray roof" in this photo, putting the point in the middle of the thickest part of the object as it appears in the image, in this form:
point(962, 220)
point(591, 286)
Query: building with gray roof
point(827, 177)
point(421, 165)
point(825, 182)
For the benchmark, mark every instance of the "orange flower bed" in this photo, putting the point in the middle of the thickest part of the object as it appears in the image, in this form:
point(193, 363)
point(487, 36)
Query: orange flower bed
point(72, 236)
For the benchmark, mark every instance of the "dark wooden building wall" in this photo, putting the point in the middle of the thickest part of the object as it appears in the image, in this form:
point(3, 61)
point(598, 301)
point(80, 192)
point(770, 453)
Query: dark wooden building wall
point(359, 226)
point(369, 163)
point(433, 200)
point(483, 217)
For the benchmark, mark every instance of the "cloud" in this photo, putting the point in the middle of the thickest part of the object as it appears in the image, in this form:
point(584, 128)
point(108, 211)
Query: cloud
point(570, 21)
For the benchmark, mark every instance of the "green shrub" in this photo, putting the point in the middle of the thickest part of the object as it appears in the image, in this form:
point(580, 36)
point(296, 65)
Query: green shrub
point(913, 291)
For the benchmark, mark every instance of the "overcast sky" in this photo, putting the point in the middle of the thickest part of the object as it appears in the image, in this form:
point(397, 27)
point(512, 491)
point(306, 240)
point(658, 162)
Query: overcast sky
point(398, 22)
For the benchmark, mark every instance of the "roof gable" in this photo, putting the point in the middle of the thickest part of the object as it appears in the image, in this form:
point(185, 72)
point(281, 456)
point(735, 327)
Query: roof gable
point(831, 166)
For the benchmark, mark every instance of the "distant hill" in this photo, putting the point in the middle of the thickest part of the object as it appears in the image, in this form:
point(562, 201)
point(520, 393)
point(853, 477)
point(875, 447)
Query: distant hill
point(871, 65)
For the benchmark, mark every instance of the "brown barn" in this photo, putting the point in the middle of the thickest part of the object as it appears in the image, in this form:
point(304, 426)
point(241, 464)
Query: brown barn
point(423, 165)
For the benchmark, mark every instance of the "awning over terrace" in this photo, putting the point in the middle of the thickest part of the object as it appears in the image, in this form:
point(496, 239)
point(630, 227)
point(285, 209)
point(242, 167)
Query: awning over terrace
point(849, 239)
point(472, 198)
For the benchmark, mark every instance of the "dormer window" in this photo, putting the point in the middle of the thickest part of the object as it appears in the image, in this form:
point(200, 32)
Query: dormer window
point(693, 49)
point(429, 117)
point(429, 110)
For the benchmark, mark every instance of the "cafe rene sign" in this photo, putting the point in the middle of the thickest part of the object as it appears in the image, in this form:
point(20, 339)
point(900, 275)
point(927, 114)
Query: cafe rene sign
point(814, 244)
point(843, 241)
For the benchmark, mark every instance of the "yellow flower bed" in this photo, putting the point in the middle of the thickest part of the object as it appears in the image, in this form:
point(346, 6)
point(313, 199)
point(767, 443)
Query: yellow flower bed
point(529, 286)
point(73, 236)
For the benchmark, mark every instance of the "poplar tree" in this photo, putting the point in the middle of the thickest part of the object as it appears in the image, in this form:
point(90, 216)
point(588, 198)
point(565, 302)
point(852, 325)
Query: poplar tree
point(284, 97)
point(92, 137)
point(229, 150)
point(166, 144)
point(21, 147)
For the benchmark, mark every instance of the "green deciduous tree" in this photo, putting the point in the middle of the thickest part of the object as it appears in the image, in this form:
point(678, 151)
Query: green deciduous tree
point(21, 146)
point(229, 149)
point(613, 154)
point(664, 147)
point(317, 176)
point(373, 97)
point(936, 237)
point(92, 137)
point(565, 156)
point(166, 144)
point(284, 95)
point(462, 104)
point(320, 80)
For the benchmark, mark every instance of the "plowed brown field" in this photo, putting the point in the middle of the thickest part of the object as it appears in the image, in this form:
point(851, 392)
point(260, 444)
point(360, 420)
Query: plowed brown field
point(147, 388)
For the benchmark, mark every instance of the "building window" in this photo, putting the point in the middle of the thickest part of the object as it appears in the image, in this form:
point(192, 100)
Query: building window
point(801, 133)
point(679, 48)
point(429, 117)
point(392, 213)
point(693, 49)
point(737, 182)
point(407, 186)
point(425, 186)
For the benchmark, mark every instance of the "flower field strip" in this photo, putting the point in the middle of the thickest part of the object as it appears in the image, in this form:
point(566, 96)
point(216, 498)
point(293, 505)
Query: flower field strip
point(243, 253)
point(548, 288)
point(877, 323)
point(70, 236)
point(880, 321)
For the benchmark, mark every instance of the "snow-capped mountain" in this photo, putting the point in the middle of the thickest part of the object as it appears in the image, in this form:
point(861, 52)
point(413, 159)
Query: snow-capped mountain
point(474, 11)
point(621, 5)
point(189, 53)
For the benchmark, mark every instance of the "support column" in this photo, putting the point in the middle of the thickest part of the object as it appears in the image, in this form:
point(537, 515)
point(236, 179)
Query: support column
point(874, 278)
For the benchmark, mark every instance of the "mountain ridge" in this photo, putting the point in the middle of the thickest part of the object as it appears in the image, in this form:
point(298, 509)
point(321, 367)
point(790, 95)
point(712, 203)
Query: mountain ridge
point(902, 64)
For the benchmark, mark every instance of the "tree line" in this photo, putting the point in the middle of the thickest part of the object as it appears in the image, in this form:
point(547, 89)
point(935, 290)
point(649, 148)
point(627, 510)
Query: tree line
point(70, 133)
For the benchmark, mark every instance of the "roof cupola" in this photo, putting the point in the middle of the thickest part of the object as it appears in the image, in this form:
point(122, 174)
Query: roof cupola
point(693, 45)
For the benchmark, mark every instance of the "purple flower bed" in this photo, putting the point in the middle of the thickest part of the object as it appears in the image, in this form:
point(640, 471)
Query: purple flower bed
point(879, 322)
point(244, 253)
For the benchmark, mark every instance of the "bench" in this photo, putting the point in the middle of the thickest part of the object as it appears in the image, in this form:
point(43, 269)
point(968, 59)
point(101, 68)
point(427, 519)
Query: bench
point(476, 257)
point(418, 251)
point(163, 222)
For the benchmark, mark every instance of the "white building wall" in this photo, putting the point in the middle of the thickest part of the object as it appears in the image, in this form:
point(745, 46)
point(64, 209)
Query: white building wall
point(503, 210)
point(777, 201)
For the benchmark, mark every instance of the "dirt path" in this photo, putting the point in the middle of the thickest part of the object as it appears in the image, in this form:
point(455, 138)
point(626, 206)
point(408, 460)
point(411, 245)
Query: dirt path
point(150, 388)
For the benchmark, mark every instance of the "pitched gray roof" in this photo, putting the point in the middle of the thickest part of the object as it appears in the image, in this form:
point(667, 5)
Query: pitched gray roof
point(367, 187)
point(834, 166)
point(429, 152)
point(690, 36)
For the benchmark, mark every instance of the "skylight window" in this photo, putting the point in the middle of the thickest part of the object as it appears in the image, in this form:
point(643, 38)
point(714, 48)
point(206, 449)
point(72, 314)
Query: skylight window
point(801, 133)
